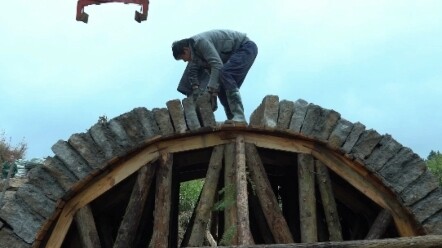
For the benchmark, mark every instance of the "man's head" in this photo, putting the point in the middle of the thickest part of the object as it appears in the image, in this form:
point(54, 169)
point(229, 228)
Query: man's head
point(181, 49)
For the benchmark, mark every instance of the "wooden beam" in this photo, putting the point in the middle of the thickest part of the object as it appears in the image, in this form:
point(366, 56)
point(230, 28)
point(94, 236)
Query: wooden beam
point(428, 241)
point(205, 205)
point(129, 225)
point(243, 224)
point(380, 224)
point(270, 207)
point(229, 196)
point(307, 198)
point(163, 197)
point(86, 228)
point(95, 189)
point(328, 202)
point(366, 183)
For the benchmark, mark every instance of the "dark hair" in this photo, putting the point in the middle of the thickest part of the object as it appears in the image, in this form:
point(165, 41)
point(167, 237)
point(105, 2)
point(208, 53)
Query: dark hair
point(178, 47)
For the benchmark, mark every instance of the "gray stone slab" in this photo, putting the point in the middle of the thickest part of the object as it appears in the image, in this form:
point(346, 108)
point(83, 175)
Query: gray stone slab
point(256, 116)
point(368, 140)
point(36, 200)
point(385, 150)
point(121, 137)
point(105, 139)
point(88, 149)
point(23, 221)
point(163, 120)
point(299, 112)
point(7, 236)
point(70, 157)
point(204, 111)
point(428, 206)
point(190, 114)
point(286, 109)
point(133, 129)
point(433, 225)
point(148, 122)
point(401, 170)
point(65, 178)
point(353, 137)
point(419, 188)
point(270, 111)
point(319, 122)
point(177, 114)
point(340, 133)
point(46, 183)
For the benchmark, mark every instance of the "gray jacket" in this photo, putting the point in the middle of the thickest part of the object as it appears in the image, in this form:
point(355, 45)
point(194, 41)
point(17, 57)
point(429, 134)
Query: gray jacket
point(210, 51)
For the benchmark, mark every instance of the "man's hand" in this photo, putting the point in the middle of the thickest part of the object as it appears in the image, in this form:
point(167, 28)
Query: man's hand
point(196, 92)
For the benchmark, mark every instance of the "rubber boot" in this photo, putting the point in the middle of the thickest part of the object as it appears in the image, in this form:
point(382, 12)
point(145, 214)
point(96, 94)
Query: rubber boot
point(236, 108)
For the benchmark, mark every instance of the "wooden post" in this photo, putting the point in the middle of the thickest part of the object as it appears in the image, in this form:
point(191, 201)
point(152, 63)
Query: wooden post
point(270, 207)
point(328, 202)
point(205, 204)
point(230, 211)
point(129, 224)
point(86, 227)
point(380, 224)
point(243, 224)
point(307, 198)
point(160, 236)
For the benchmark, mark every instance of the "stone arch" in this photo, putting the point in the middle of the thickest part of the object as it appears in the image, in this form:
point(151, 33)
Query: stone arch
point(91, 168)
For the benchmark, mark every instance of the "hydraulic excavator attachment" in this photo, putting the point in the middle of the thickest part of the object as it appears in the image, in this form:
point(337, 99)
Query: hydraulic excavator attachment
point(139, 16)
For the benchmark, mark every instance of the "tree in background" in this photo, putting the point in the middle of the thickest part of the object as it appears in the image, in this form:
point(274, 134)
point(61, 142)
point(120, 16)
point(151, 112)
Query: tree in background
point(434, 163)
point(9, 154)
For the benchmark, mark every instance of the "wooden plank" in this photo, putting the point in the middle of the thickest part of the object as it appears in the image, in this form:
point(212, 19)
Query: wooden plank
point(230, 217)
point(163, 197)
point(379, 226)
point(366, 183)
point(243, 224)
point(328, 202)
point(129, 225)
point(307, 198)
point(86, 228)
point(428, 241)
point(95, 189)
point(272, 212)
point(205, 205)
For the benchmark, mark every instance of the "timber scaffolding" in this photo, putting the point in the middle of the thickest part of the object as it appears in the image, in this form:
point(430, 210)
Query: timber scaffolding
point(298, 175)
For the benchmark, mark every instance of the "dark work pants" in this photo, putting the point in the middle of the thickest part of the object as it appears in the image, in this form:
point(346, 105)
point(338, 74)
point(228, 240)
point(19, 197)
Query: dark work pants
point(235, 70)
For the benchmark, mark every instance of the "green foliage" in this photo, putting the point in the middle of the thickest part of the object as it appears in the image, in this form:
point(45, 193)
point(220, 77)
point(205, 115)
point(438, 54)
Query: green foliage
point(228, 198)
point(189, 193)
point(228, 236)
point(434, 163)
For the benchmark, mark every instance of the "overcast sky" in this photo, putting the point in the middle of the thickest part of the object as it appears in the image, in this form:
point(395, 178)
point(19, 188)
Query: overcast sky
point(374, 62)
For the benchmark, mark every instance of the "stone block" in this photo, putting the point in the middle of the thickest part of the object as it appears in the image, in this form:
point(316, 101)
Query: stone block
point(299, 112)
point(86, 147)
point(59, 172)
point(403, 169)
point(286, 109)
point(419, 188)
point(383, 152)
point(177, 114)
point(36, 200)
point(340, 133)
point(365, 144)
point(73, 161)
point(147, 120)
point(428, 206)
point(163, 120)
point(23, 221)
point(266, 115)
point(353, 137)
point(190, 114)
point(105, 139)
